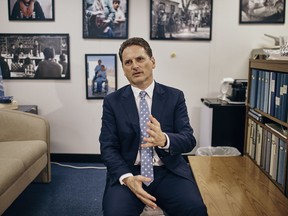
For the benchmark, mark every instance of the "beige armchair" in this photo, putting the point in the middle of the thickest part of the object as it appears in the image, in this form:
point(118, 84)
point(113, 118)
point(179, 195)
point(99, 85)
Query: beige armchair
point(24, 153)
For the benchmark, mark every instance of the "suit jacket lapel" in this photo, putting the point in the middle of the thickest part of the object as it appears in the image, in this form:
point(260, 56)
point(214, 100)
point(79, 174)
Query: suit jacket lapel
point(130, 107)
point(158, 102)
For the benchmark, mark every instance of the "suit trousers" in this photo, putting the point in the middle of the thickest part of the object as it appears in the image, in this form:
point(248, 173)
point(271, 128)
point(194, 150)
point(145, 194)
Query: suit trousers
point(174, 194)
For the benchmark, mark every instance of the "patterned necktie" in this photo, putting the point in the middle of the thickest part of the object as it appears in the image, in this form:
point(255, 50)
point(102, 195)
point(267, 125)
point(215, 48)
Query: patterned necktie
point(146, 153)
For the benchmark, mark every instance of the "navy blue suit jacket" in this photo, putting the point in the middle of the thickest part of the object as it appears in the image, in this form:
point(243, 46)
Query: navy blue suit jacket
point(120, 132)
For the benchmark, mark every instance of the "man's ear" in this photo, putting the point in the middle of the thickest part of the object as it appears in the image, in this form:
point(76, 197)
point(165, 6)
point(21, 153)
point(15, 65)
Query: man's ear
point(153, 62)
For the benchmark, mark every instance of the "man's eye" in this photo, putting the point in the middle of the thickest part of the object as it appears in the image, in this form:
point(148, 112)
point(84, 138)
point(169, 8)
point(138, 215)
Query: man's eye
point(128, 62)
point(140, 59)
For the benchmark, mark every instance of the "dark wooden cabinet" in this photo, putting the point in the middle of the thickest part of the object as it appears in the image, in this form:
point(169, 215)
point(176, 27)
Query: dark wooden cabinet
point(222, 124)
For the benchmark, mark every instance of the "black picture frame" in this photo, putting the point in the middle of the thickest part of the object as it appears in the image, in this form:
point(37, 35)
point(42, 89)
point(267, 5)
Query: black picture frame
point(270, 12)
point(18, 48)
point(43, 11)
point(107, 85)
point(105, 23)
point(181, 20)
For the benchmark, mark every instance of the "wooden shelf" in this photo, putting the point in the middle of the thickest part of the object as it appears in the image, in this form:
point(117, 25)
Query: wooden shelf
point(252, 137)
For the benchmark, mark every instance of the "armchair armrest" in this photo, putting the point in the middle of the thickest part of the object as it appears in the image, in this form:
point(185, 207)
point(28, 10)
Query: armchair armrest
point(20, 126)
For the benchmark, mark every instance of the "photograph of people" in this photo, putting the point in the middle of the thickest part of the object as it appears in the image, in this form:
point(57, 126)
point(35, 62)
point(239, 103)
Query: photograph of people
point(105, 19)
point(101, 70)
point(31, 10)
point(262, 11)
point(30, 53)
point(181, 20)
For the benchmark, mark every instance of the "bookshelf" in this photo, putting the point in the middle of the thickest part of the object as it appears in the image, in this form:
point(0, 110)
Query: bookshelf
point(266, 121)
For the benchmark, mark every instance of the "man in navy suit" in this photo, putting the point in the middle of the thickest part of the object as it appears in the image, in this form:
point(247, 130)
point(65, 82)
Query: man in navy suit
point(170, 134)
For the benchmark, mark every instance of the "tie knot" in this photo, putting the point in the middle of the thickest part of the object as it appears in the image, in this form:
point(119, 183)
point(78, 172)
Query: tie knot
point(142, 94)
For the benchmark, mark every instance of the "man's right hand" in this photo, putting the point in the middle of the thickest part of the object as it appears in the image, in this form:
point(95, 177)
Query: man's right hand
point(135, 185)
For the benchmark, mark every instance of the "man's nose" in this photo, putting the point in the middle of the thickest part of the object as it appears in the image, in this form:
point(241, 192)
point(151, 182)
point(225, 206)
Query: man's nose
point(135, 64)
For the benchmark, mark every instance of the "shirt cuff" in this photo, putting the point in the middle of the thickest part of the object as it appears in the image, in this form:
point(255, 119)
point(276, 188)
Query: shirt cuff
point(167, 143)
point(123, 177)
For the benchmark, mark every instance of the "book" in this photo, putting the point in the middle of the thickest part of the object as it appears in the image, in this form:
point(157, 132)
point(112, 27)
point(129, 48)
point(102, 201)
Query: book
point(277, 95)
point(248, 136)
point(279, 129)
point(283, 98)
point(254, 87)
point(281, 162)
point(259, 89)
point(268, 152)
point(254, 114)
point(271, 110)
point(266, 91)
point(6, 99)
point(253, 140)
point(262, 94)
point(258, 144)
point(263, 149)
point(274, 156)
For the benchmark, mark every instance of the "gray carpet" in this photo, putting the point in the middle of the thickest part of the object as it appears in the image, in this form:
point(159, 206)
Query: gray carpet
point(71, 192)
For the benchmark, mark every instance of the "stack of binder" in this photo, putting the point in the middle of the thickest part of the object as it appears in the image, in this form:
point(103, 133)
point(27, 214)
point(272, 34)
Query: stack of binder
point(269, 93)
point(268, 148)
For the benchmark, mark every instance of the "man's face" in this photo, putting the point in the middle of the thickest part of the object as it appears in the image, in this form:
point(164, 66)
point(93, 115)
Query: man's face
point(116, 5)
point(138, 66)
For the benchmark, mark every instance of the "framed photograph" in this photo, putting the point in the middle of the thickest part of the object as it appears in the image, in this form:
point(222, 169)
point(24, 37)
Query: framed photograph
point(105, 19)
point(262, 11)
point(180, 20)
point(101, 75)
point(35, 56)
point(28, 10)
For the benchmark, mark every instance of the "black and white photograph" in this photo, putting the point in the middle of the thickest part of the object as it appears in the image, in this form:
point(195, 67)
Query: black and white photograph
point(101, 75)
point(180, 19)
point(31, 10)
point(35, 56)
point(105, 19)
point(262, 11)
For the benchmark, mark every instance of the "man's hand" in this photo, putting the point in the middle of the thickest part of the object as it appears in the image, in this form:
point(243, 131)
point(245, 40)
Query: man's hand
point(156, 136)
point(27, 11)
point(134, 183)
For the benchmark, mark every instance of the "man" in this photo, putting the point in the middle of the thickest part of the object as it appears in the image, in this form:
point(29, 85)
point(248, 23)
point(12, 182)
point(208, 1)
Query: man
point(20, 51)
point(48, 68)
point(173, 187)
point(100, 17)
point(4, 68)
point(96, 70)
point(101, 78)
point(119, 22)
point(62, 61)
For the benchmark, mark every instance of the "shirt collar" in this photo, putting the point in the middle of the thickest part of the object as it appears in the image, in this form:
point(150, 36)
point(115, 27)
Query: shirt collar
point(148, 90)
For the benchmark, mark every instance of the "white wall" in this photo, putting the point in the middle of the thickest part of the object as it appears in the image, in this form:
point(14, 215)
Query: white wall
point(197, 69)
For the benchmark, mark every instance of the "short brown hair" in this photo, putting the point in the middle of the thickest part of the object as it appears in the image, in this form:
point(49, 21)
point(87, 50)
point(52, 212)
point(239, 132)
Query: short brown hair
point(138, 42)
